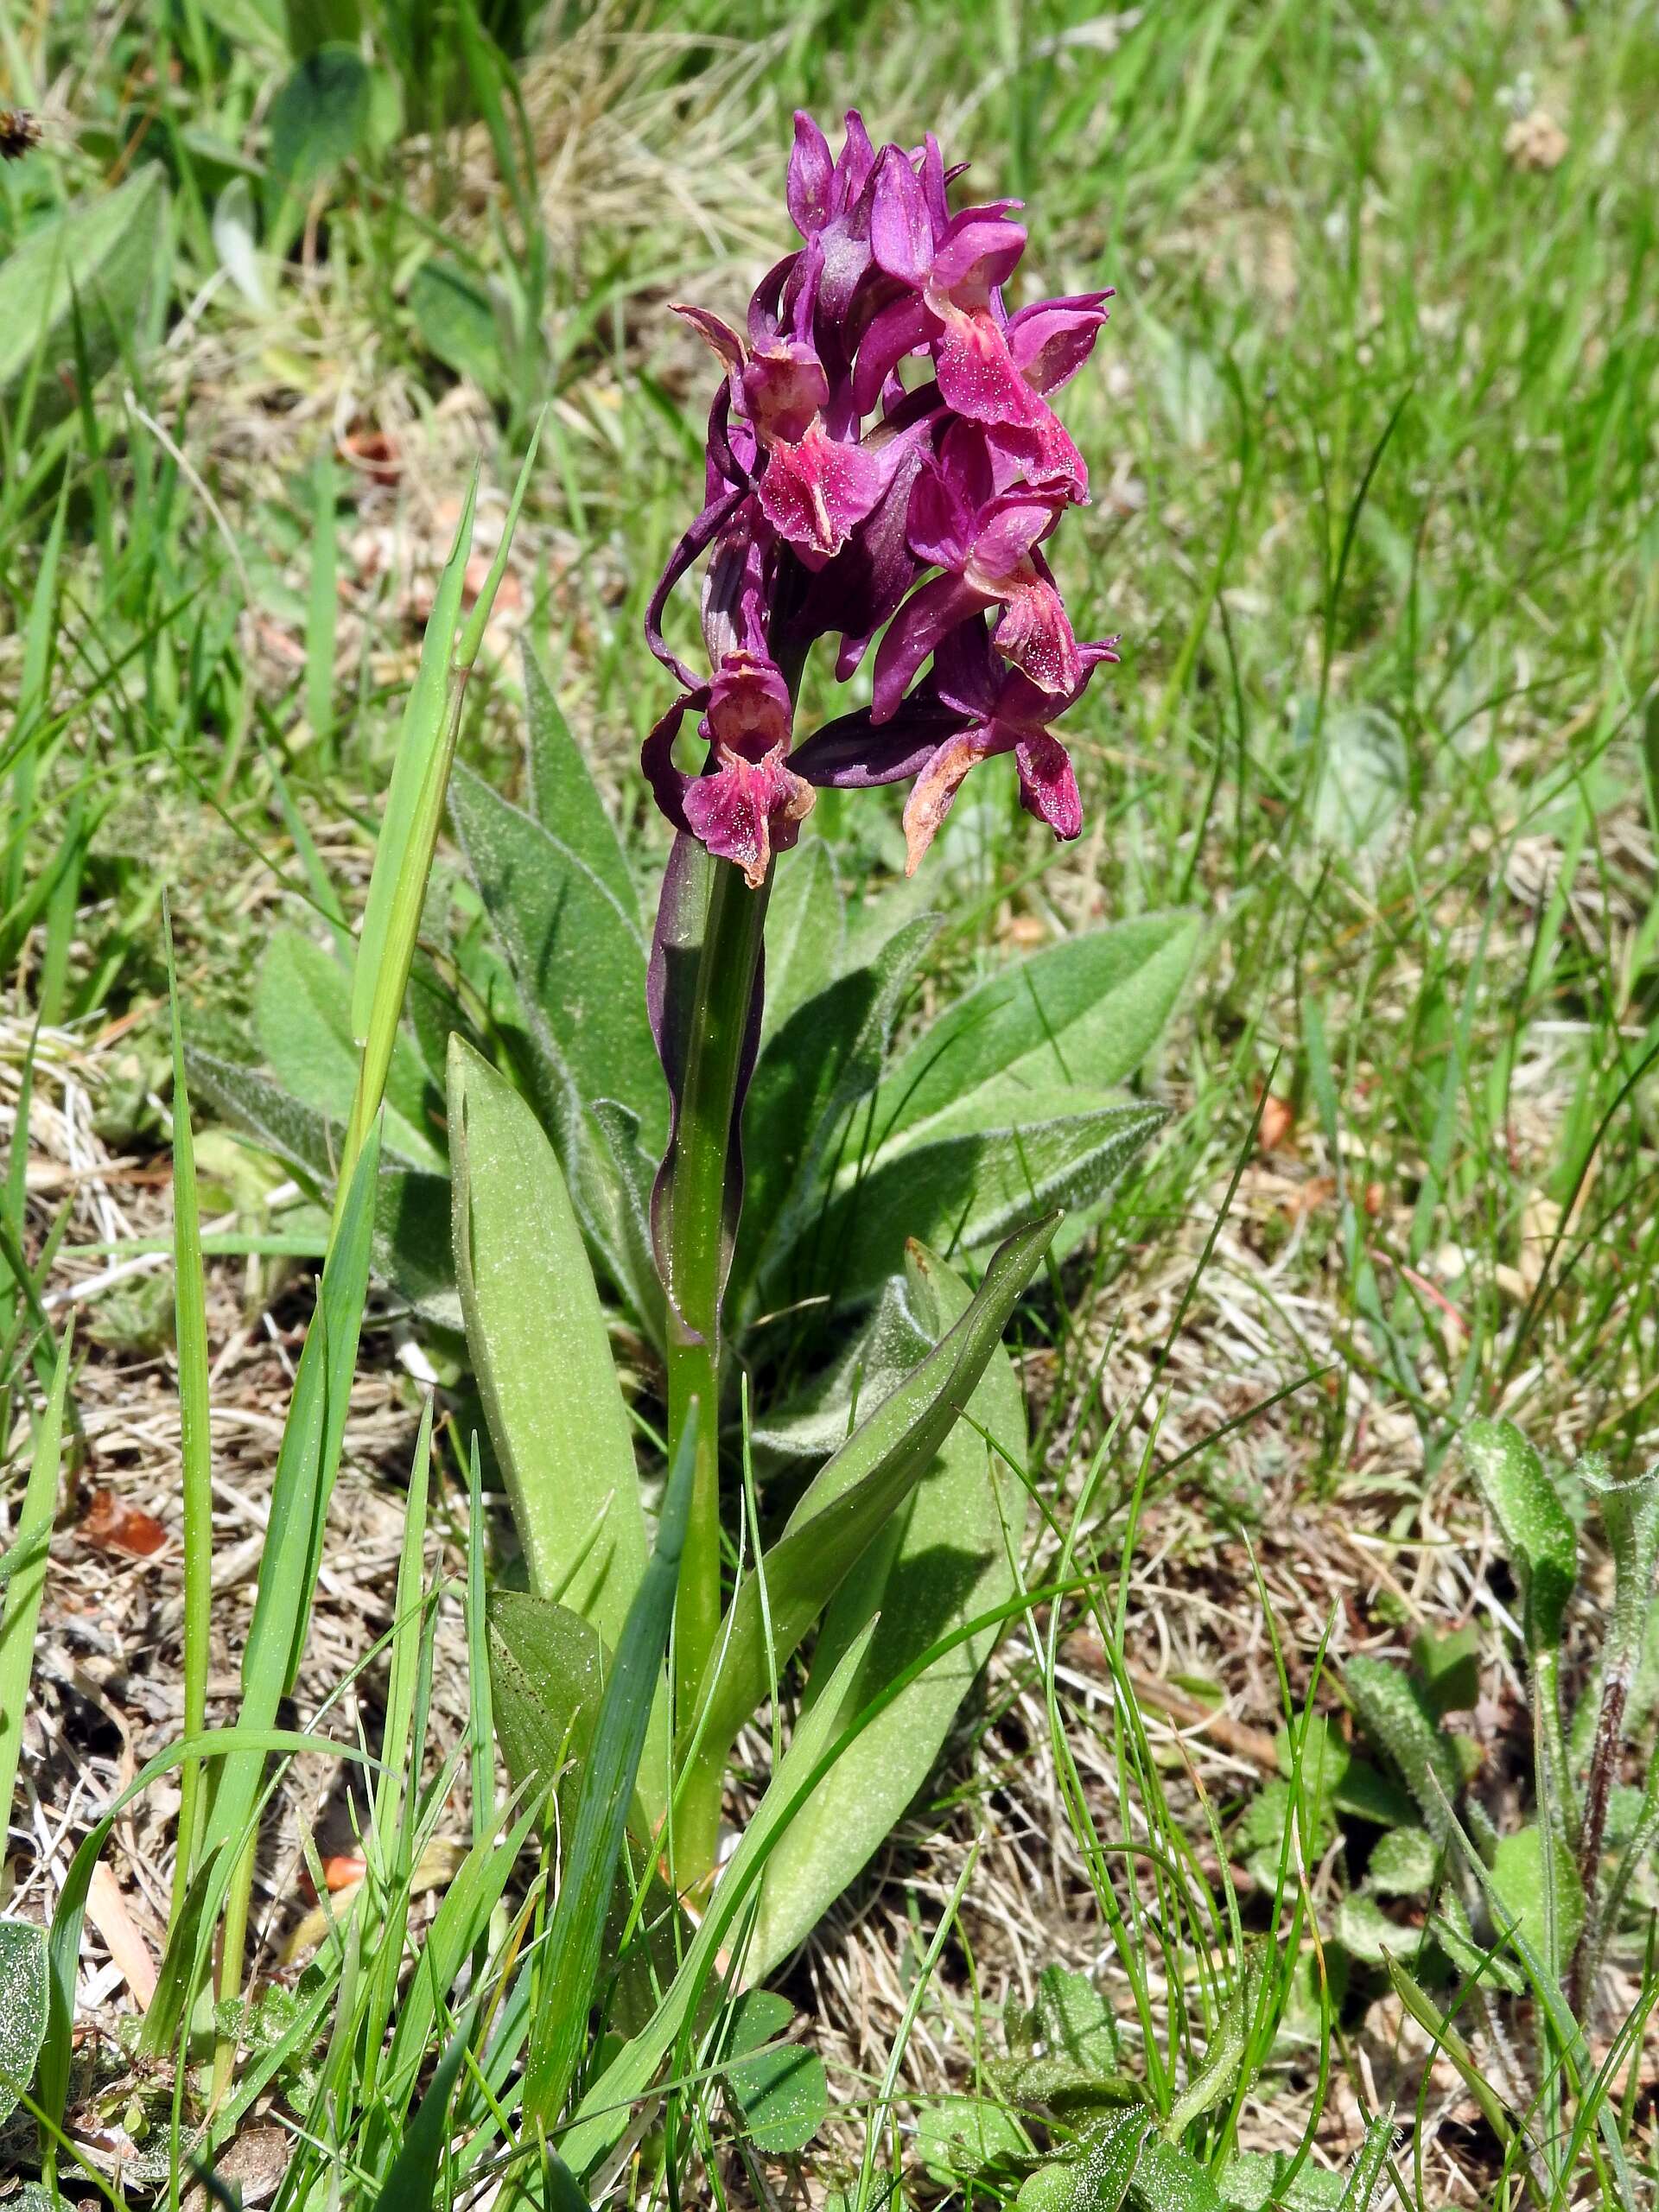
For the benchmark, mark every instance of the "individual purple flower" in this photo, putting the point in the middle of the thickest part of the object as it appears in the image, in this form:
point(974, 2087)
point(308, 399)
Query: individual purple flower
point(972, 708)
point(814, 489)
point(986, 539)
point(747, 804)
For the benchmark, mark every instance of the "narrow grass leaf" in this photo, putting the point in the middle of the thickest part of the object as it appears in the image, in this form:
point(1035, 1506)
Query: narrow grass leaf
point(570, 1959)
point(27, 1582)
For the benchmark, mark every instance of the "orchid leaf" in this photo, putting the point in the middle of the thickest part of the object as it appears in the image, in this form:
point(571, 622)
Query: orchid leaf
point(944, 1557)
point(604, 2111)
point(536, 1334)
point(806, 931)
point(1084, 1012)
point(577, 956)
point(853, 1498)
point(567, 800)
point(964, 1190)
point(871, 1367)
point(24, 2004)
point(97, 264)
point(816, 1069)
point(303, 1014)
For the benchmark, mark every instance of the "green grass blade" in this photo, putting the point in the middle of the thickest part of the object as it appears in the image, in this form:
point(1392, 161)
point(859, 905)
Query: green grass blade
point(27, 1580)
point(196, 1438)
point(570, 1960)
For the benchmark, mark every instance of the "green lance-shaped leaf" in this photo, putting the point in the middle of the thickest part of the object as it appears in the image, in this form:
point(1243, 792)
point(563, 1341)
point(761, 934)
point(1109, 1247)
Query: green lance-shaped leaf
point(540, 1349)
point(816, 1069)
point(411, 1205)
point(567, 798)
point(575, 952)
point(1542, 1550)
point(874, 1363)
point(1082, 1013)
point(303, 1015)
point(605, 2110)
point(945, 1557)
point(578, 963)
point(806, 932)
point(963, 1188)
point(852, 1498)
point(23, 2008)
point(99, 260)
point(1393, 1715)
point(1538, 1537)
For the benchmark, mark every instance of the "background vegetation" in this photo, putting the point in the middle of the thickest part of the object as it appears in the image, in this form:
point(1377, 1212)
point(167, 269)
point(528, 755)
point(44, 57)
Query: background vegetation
point(1371, 443)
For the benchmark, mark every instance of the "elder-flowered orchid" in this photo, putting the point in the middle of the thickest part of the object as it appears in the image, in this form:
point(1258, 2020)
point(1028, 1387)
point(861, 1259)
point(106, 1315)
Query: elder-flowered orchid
point(882, 457)
point(972, 708)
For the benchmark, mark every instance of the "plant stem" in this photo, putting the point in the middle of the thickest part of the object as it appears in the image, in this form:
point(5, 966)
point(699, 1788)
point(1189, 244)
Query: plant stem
point(698, 1228)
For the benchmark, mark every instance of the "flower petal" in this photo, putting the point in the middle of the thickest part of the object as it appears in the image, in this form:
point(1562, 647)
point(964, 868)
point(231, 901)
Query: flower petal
point(1048, 784)
point(1035, 631)
point(746, 809)
point(934, 794)
point(926, 616)
point(812, 174)
point(902, 326)
point(1051, 340)
point(814, 493)
point(901, 229)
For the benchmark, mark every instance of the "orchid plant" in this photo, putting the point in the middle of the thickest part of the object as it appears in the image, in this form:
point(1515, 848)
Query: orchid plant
point(884, 468)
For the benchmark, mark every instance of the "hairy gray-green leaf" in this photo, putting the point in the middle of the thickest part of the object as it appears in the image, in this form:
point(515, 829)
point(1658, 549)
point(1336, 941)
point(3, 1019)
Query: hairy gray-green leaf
point(536, 1334)
point(99, 258)
point(1393, 1715)
point(964, 1189)
point(1101, 2173)
point(780, 2094)
point(1080, 1014)
point(23, 2002)
point(806, 1114)
point(1522, 1881)
point(302, 1013)
point(1063, 2051)
point(1403, 1864)
point(877, 1359)
point(567, 798)
point(806, 931)
point(959, 2137)
point(1538, 1537)
point(853, 1496)
point(944, 1556)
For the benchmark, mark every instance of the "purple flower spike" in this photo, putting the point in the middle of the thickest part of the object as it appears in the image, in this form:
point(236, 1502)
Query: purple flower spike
point(883, 462)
